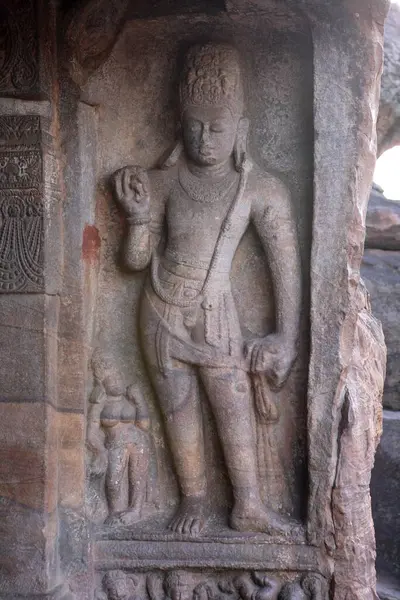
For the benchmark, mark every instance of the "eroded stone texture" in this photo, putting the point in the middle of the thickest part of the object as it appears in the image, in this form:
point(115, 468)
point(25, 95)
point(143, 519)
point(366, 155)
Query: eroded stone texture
point(385, 486)
point(383, 222)
point(91, 30)
point(388, 125)
point(381, 272)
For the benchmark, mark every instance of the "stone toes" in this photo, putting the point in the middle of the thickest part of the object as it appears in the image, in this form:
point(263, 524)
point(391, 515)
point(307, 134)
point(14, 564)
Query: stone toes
point(187, 526)
point(173, 525)
point(180, 526)
point(196, 527)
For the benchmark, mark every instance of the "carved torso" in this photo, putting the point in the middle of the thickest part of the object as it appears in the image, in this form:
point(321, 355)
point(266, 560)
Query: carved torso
point(117, 409)
point(194, 224)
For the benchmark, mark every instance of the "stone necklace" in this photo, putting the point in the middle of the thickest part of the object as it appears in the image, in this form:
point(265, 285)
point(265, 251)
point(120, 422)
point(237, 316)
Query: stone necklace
point(201, 190)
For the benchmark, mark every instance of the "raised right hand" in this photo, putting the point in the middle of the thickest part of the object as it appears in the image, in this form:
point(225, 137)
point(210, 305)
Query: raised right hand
point(132, 190)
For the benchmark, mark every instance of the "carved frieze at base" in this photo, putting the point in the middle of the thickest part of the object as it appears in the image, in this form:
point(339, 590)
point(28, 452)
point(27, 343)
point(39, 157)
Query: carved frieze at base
point(116, 584)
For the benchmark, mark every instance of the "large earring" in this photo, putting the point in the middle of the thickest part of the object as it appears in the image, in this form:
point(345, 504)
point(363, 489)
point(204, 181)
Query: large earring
point(174, 153)
point(240, 147)
point(174, 156)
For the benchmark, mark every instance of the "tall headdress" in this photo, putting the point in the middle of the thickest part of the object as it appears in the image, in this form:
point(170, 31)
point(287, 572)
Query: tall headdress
point(211, 77)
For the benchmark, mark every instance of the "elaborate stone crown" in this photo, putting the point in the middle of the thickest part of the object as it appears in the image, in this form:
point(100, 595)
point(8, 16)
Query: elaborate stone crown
point(211, 77)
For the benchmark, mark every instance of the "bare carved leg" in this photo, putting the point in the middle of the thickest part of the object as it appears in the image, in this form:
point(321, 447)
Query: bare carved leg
point(138, 464)
point(178, 396)
point(138, 473)
point(229, 394)
point(115, 479)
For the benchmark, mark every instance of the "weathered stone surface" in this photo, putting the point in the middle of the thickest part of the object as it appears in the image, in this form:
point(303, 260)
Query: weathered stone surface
point(29, 324)
point(382, 222)
point(381, 273)
point(91, 30)
point(385, 491)
point(388, 125)
point(388, 588)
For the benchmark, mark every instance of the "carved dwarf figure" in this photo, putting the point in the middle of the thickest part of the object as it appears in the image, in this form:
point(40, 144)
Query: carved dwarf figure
point(117, 586)
point(203, 200)
point(118, 440)
point(174, 585)
point(257, 586)
point(310, 587)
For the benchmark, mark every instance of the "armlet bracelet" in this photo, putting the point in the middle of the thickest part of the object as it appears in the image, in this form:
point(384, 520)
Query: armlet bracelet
point(145, 220)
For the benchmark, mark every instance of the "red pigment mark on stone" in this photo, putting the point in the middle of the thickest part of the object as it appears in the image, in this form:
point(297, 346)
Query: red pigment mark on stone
point(90, 243)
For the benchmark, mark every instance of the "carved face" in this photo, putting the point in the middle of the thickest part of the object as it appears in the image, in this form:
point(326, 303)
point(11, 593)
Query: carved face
point(178, 589)
point(209, 134)
point(117, 590)
point(114, 384)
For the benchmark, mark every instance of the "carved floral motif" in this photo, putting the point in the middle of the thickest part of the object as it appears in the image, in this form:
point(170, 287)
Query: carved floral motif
point(18, 47)
point(21, 241)
point(21, 205)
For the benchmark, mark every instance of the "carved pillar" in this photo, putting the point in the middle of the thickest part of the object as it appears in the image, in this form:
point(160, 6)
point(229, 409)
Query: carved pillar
point(346, 374)
point(30, 273)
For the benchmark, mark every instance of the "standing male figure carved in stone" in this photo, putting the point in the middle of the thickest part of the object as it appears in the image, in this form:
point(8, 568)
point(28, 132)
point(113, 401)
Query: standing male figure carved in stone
point(206, 195)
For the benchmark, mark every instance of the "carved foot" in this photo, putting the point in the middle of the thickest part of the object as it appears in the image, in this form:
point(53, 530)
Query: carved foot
point(263, 520)
point(126, 517)
point(190, 517)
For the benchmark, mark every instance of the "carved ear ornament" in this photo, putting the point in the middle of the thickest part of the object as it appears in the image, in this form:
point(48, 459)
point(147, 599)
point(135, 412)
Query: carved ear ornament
point(240, 148)
point(174, 156)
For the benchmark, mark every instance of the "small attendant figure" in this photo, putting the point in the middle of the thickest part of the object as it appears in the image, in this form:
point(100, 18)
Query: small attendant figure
point(118, 440)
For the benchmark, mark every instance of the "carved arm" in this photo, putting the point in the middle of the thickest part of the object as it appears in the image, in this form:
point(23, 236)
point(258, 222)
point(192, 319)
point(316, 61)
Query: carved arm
point(95, 436)
point(142, 413)
point(276, 228)
point(132, 192)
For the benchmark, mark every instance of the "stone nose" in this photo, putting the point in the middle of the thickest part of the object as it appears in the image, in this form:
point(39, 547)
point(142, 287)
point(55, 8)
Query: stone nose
point(205, 134)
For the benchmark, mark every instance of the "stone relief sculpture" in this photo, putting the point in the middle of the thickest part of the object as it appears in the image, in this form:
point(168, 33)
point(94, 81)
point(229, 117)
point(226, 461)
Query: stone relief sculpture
point(21, 205)
point(252, 586)
point(118, 441)
point(183, 585)
point(19, 68)
point(202, 200)
point(117, 585)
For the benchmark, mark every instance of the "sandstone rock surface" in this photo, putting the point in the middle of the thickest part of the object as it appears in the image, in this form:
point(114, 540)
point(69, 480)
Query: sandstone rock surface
point(383, 222)
point(381, 273)
point(385, 491)
point(388, 126)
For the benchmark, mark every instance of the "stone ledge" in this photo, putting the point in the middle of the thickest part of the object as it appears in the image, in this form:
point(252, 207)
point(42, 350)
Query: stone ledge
point(17, 106)
point(167, 554)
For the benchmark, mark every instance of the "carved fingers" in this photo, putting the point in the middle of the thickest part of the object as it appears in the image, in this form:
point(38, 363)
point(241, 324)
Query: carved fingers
point(273, 356)
point(132, 190)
